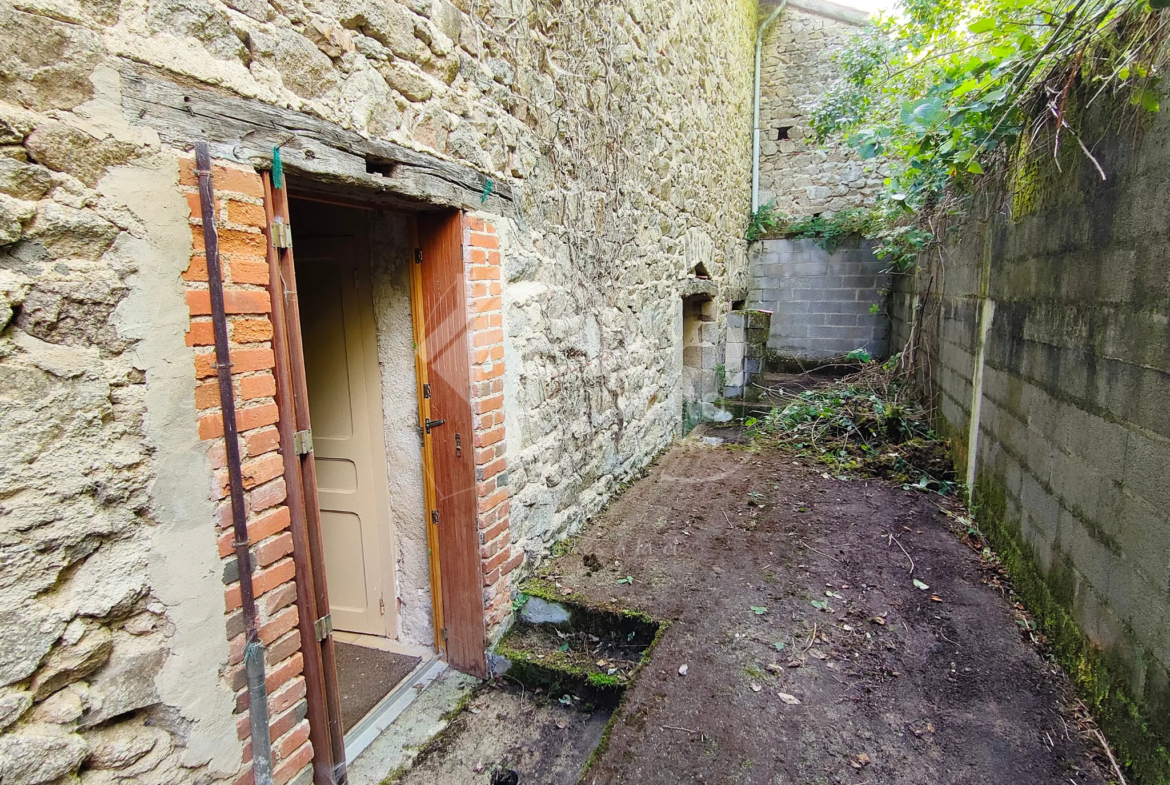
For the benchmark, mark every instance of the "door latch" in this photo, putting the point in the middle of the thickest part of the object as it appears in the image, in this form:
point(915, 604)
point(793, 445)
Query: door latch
point(428, 424)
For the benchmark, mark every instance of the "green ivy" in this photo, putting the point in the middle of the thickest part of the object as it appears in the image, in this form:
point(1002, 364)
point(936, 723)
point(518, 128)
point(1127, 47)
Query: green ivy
point(949, 90)
point(895, 242)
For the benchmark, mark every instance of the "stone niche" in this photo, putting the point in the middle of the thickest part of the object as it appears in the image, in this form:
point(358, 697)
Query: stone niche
point(702, 365)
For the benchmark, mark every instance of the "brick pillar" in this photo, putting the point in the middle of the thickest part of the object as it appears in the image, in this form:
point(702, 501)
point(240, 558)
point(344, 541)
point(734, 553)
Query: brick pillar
point(484, 287)
point(240, 212)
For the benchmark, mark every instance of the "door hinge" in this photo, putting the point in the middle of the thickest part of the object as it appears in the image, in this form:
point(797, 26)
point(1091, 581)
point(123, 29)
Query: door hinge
point(323, 627)
point(303, 442)
point(443, 633)
point(280, 234)
point(435, 517)
point(427, 390)
point(418, 256)
point(382, 604)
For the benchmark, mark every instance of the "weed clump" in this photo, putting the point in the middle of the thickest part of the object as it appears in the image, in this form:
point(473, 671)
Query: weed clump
point(864, 425)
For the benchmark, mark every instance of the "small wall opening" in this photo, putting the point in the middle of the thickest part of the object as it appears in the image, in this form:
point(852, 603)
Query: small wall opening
point(700, 361)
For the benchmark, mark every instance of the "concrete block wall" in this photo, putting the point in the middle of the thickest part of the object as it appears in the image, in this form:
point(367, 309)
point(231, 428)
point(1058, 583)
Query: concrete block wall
point(1073, 417)
point(821, 302)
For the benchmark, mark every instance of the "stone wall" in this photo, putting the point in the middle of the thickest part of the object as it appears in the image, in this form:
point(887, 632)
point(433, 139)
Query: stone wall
point(615, 122)
point(797, 175)
point(746, 351)
point(823, 304)
point(1045, 339)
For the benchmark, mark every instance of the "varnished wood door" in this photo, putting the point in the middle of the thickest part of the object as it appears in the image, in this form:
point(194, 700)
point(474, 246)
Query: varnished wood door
point(450, 444)
point(339, 336)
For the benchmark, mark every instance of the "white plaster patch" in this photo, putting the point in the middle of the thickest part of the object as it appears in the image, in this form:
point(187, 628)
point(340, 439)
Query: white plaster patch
point(184, 567)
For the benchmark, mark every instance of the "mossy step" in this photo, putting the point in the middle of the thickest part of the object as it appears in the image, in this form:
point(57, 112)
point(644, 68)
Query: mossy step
point(576, 614)
point(575, 652)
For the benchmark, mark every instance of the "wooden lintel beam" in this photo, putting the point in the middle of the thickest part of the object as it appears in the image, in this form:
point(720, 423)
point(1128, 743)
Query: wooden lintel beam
point(245, 131)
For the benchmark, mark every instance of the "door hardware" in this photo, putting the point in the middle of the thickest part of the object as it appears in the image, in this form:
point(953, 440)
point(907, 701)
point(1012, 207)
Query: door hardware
point(280, 234)
point(303, 442)
point(458, 446)
point(427, 390)
point(433, 424)
point(435, 517)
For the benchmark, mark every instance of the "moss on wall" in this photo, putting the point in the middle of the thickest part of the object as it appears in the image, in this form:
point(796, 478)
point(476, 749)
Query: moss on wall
point(1101, 679)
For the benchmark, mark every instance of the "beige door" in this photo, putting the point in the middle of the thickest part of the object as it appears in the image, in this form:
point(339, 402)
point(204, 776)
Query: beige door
point(345, 407)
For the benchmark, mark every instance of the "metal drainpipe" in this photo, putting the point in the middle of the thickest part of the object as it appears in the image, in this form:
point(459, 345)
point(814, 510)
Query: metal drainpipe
point(756, 107)
point(253, 648)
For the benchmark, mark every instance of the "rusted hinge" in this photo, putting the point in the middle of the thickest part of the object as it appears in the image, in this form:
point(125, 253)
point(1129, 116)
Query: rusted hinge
point(435, 517)
point(323, 627)
point(303, 442)
point(443, 633)
point(426, 390)
point(280, 234)
point(418, 256)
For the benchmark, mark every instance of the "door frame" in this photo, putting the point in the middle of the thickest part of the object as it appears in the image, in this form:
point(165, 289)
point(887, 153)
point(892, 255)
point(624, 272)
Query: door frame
point(317, 643)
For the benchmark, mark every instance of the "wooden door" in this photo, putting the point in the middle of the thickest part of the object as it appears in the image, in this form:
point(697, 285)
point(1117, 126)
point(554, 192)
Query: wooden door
point(339, 335)
point(445, 353)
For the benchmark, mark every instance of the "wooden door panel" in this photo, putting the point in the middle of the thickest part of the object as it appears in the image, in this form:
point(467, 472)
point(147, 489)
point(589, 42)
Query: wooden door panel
point(344, 389)
point(444, 313)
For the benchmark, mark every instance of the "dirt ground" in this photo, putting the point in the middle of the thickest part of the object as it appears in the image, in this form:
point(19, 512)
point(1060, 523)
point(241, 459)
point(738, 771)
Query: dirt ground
point(504, 729)
point(811, 656)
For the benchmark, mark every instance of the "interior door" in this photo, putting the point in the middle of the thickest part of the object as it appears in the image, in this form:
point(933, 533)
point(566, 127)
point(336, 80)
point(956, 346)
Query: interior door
point(339, 335)
point(445, 352)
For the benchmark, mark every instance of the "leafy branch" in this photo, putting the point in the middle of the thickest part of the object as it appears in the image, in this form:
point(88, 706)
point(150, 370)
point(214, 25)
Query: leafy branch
point(949, 91)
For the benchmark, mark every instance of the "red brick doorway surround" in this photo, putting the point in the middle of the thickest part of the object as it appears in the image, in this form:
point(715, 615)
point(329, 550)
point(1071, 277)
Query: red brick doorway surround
point(298, 703)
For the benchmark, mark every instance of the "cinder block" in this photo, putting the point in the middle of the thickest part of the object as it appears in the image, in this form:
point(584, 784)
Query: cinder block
point(1147, 468)
point(811, 269)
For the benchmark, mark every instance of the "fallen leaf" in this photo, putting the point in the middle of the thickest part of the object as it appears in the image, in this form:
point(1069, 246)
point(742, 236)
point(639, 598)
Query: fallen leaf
point(795, 664)
point(920, 585)
point(561, 724)
point(930, 727)
point(860, 762)
point(878, 620)
point(791, 700)
point(779, 645)
point(817, 654)
point(682, 670)
point(756, 687)
point(936, 598)
point(758, 610)
point(772, 667)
